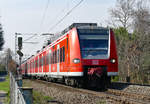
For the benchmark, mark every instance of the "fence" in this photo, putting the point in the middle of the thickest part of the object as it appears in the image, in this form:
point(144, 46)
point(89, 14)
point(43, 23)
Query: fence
point(19, 95)
point(3, 73)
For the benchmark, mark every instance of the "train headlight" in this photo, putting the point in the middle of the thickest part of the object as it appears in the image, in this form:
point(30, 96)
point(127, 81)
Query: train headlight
point(113, 61)
point(76, 60)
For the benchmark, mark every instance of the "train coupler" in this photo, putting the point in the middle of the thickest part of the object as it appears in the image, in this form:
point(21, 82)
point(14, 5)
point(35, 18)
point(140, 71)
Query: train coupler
point(95, 71)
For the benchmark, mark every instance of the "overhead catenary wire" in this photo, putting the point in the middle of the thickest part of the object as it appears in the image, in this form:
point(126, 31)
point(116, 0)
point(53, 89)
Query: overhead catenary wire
point(30, 37)
point(51, 28)
point(56, 16)
point(44, 15)
point(41, 23)
point(59, 20)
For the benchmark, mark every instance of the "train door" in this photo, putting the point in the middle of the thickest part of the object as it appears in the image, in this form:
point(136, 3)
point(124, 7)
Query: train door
point(58, 64)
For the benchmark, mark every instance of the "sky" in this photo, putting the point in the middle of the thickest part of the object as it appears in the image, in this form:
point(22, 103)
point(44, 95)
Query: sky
point(30, 17)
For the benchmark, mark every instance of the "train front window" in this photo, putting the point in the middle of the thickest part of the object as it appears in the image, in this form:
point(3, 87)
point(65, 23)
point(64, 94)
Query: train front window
point(94, 45)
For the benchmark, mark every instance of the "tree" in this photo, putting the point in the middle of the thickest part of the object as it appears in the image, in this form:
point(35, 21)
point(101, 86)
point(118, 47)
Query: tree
point(133, 48)
point(121, 15)
point(10, 63)
point(1, 37)
point(141, 18)
point(141, 25)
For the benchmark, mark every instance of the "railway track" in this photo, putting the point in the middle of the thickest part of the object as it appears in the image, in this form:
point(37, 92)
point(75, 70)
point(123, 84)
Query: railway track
point(140, 98)
point(116, 96)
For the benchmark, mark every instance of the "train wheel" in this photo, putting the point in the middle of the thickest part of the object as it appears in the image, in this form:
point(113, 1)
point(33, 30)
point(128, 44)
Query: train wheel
point(49, 79)
point(108, 81)
point(70, 82)
point(54, 80)
point(67, 81)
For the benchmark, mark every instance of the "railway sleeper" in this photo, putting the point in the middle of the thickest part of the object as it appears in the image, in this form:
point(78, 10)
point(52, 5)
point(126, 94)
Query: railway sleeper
point(130, 95)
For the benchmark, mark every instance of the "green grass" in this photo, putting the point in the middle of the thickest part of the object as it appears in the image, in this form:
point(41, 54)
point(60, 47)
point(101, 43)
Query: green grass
point(115, 79)
point(102, 102)
point(4, 86)
point(39, 98)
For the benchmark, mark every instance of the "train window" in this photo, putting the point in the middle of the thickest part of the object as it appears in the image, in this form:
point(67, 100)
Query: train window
point(42, 61)
point(54, 58)
point(63, 54)
point(58, 56)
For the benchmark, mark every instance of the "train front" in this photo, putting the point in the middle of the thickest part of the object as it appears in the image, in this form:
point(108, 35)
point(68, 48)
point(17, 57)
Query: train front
point(98, 55)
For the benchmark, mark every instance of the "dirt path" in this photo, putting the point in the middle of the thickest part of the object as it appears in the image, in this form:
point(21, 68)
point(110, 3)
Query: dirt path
point(2, 96)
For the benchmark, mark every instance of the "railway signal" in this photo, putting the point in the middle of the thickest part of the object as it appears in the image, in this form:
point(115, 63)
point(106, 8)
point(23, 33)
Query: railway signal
point(19, 53)
point(20, 43)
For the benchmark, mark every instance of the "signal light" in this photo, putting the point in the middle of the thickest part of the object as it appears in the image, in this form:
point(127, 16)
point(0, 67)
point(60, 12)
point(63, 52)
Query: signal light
point(20, 43)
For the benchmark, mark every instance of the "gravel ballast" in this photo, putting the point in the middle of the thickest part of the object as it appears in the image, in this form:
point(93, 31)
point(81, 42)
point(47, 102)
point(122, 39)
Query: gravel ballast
point(138, 89)
point(65, 96)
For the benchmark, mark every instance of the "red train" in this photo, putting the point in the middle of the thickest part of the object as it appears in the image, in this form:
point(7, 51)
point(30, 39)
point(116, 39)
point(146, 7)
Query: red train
point(84, 54)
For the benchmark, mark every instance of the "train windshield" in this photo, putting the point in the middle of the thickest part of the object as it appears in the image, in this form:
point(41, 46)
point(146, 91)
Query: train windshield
point(94, 43)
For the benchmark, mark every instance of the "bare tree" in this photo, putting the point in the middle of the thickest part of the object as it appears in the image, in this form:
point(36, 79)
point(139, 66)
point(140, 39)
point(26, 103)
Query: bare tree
point(10, 63)
point(121, 15)
point(141, 21)
point(1, 37)
point(134, 50)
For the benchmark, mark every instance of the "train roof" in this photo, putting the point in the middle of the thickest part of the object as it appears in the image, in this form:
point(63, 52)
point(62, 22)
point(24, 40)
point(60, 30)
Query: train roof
point(74, 25)
point(77, 25)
